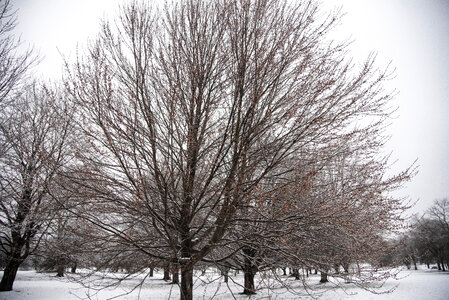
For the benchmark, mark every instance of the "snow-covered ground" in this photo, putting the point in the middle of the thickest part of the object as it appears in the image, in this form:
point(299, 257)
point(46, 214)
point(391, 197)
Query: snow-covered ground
point(420, 284)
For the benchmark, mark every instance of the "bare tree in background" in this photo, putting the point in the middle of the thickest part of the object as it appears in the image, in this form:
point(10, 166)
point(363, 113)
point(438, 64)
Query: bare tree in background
point(440, 212)
point(186, 112)
point(348, 206)
point(333, 211)
point(13, 63)
point(430, 236)
point(33, 140)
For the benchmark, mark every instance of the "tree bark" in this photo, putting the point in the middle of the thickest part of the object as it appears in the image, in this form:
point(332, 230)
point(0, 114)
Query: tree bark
point(14, 260)
point(226, 278)
point(175, 274)
point(346, 268)
point(73, 269)
point(249, 271)
point(60, 270)
point(166, 272)
point(249, 288)
point(186, 282)
point(151, 271)
point(225, 273)
point(323, 277)
point(9, 275)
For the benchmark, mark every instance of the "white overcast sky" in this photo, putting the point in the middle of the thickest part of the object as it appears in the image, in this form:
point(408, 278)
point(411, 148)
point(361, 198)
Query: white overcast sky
point(411, 34)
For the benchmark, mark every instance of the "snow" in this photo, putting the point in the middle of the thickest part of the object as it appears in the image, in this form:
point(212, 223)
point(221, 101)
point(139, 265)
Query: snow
point(420, 284)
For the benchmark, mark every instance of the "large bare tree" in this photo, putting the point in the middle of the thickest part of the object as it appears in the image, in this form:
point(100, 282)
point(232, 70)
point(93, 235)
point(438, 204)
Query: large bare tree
point(33, 141)
point(189, 109)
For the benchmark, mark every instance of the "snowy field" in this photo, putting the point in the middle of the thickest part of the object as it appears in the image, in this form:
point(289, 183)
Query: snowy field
point(420, 284)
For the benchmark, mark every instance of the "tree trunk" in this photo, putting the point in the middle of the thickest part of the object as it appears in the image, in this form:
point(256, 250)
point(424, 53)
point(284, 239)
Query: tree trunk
point(226, 278)
point(296, 274)
point(186, 282)
point(346, 268)
point(15, 257)
point(175, 274)
point(249, 288)
point(60, 270)
point(249, 271)
point(442, 265)
point(284, 271)
point(225, 273)
point(73, 269)
point(323, 277)
point(166, 272)
point(14, 260)
point(439, 266)
point(9, 275)
point(151, 271)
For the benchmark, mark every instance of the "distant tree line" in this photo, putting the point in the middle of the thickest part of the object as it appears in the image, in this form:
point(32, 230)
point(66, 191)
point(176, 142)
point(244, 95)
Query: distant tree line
point(427, 242)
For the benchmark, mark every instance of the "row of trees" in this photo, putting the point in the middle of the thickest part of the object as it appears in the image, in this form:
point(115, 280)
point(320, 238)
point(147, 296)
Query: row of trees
point(232, 133)
point(428, 240)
